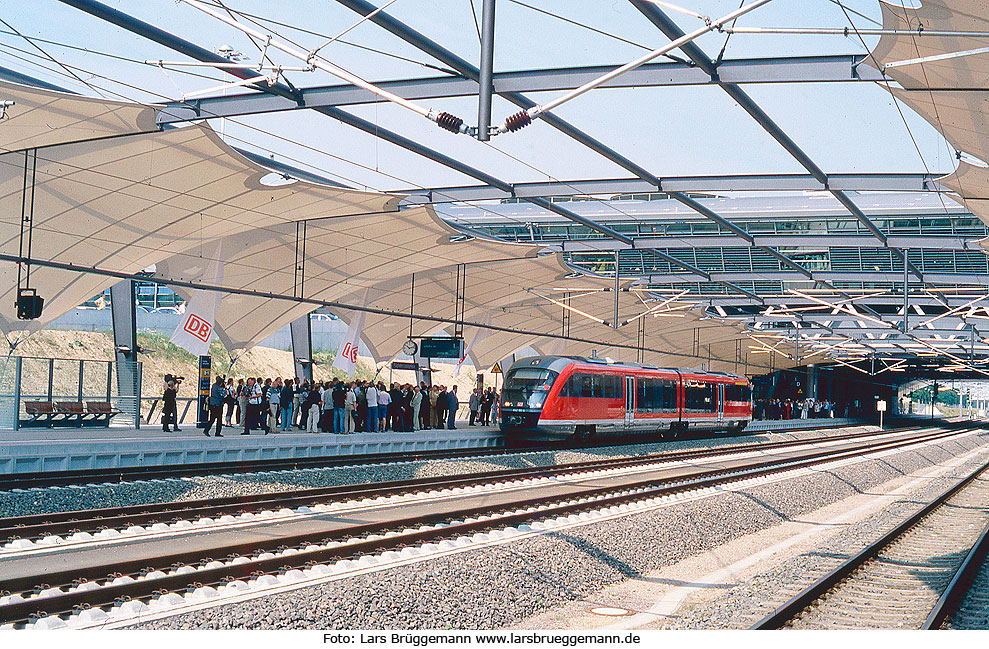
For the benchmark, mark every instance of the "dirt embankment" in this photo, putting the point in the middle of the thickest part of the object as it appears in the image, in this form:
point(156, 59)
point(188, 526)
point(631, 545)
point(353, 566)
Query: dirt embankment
point(162, 357)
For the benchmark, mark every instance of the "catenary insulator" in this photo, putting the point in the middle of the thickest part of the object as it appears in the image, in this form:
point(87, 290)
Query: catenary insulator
point(518, 121)
point(450, 122)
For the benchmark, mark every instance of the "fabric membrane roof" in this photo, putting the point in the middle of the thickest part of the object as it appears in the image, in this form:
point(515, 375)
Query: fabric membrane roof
point(41, 118)
point(952, 94)
point(128, 202)
point(342, 257)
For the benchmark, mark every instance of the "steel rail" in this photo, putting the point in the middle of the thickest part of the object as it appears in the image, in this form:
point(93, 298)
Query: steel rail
point(124, 474)
point(23, 611)
point(790, 609)
point(39, 525)
point(953, 595)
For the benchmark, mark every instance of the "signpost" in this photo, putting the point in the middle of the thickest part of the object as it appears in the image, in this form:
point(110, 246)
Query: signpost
point(205, 379)
point(881, 407)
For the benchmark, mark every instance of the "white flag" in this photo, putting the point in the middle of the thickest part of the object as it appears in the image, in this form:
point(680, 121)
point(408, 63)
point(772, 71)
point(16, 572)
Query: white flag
point(196, 328)
point(479, 335)
point(346, 359)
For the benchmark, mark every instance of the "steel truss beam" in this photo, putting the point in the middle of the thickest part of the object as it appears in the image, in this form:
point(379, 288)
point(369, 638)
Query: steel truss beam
point(909, 182)
point(895, 277)
point(672, 31)
point(916, 300)
point(797, 69)
point(194, 51)
point(809, 240)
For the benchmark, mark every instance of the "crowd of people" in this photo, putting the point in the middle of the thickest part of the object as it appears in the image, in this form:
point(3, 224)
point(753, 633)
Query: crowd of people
point(793, 409)
point(335, 406)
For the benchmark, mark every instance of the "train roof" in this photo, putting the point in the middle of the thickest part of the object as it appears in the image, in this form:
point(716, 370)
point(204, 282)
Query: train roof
point(551, 362)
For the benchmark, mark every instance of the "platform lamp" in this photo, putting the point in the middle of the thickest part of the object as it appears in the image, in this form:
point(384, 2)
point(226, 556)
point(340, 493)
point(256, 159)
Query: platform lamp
point(29, 304)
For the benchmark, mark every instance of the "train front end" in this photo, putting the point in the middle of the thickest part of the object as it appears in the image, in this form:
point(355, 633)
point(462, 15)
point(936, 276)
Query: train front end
point(527, 388)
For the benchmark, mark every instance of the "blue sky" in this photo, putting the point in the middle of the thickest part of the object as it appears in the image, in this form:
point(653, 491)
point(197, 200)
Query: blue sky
point(671, 131)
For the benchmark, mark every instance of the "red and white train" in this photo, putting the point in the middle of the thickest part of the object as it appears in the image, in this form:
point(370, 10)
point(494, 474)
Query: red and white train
point(558, 397)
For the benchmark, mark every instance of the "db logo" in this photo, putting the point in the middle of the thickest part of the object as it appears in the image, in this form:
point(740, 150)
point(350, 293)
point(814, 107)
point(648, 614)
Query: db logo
point(350, 352)
point(198, 327)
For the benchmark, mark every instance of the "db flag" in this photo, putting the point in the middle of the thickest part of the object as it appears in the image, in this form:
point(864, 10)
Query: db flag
point(196, 328)
point(346, 359)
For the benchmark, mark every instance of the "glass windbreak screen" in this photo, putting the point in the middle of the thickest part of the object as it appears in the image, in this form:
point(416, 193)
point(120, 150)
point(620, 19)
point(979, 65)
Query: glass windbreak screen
point(523, 381)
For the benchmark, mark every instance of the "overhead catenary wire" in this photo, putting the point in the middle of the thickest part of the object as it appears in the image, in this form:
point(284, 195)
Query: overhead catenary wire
point(524, 118)
point(443, 119)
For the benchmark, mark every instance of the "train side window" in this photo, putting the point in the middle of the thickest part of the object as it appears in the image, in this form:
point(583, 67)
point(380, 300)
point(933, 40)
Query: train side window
point(669, 402)
point(612, 387)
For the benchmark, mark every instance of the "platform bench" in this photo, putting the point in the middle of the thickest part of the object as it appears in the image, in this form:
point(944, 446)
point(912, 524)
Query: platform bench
point(76, 414)
point(41, 414)
point(102, 411)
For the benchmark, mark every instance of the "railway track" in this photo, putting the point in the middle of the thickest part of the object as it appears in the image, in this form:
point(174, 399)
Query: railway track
point(30, 480)
point(130, 572)
point(914, 577)
point(71, 522)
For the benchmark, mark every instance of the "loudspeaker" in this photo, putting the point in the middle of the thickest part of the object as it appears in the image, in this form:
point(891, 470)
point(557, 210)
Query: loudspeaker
point(29, 304)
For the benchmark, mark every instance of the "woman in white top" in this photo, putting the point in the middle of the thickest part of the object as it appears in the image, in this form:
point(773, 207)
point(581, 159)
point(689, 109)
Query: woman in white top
point(383, 400)
point(349, 403)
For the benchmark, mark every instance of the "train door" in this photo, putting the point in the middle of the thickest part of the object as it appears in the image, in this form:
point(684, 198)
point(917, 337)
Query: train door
point(721, 402)
point(629, 401)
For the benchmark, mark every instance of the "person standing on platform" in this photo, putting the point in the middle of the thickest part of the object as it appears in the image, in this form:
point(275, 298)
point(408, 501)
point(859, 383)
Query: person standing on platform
point(486, 402)
point(326, 400)
point(217, 396)
point(442, 405)
point(395, 408)
point(339, 396)
point(371, 395)
point(285, 400)
point(424, 408)
point(434, 407)
point(230, 399)
point(252, 396)
point(241, 402)
point(473, 404)
point(416, 403)
point(359, 390)
point(384, 400)
point(349, 405)
point(310, 406)
point(169, 408)
point(298, 394)
point(453, 404)
point(275, 403)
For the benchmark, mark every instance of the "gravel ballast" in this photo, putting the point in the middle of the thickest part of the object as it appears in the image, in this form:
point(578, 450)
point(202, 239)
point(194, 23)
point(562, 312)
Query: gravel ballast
point(59, 499)
point(504, 585)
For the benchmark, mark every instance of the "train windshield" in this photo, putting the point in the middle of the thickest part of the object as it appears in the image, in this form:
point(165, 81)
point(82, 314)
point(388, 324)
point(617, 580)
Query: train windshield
point(523, 383)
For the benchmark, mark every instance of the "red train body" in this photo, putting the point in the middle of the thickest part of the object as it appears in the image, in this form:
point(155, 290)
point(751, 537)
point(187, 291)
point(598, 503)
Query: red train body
point(558, 397)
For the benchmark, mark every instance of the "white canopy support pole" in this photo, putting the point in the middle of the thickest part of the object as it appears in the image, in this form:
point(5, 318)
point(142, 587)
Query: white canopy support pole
point(656, 307)
point(443, 119)
point(843, 309)
point(232, 84)
point(230, 66)
point(568, 307)
point(524, 118)
point(927, 323)
point(848, 31)
point(937, 57)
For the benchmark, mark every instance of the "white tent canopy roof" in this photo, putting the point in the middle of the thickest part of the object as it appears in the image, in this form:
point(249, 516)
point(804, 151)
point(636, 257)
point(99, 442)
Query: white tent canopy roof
point(42, 118)
point(342, 257)
point(935, 15)
point(125, 203)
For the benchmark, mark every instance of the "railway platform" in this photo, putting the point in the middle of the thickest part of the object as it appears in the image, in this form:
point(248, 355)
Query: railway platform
point(43, 450)
point(87, 449)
